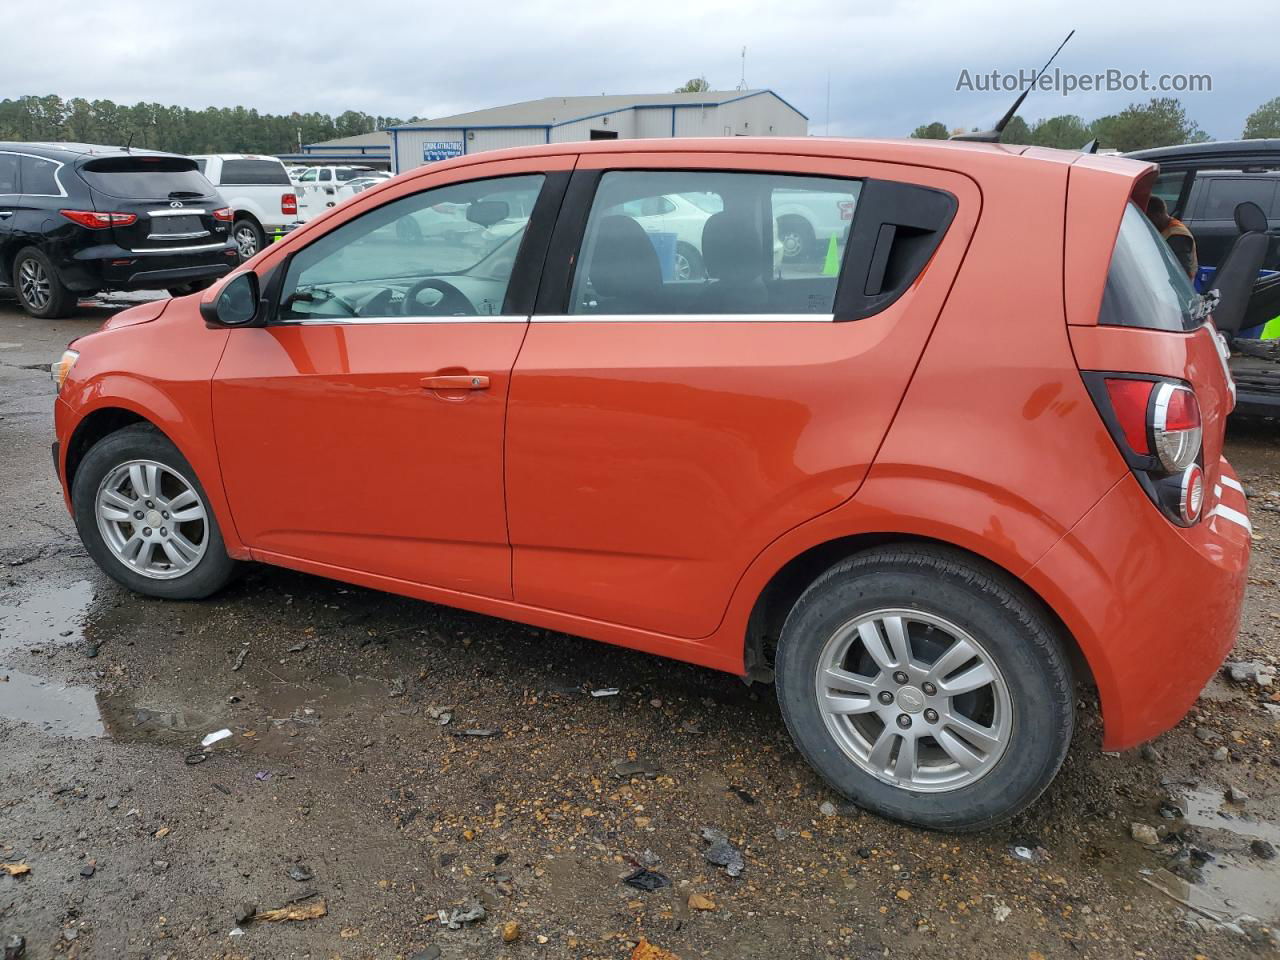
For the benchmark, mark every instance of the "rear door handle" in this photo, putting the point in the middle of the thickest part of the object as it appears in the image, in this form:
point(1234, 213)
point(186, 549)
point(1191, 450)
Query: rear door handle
point(5, 214)
point(464, 381)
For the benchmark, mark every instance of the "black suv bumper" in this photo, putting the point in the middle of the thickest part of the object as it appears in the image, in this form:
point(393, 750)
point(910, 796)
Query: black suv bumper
point(110, 267)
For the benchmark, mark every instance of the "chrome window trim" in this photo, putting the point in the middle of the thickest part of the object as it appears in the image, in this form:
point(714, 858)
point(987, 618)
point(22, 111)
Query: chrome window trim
point(57, 175)
point(365, 321)
point(204, 246)
point(684, 318)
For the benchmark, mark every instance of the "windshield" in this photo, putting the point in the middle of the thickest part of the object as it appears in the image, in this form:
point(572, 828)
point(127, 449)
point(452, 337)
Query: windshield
point(1146, 286)
point(146, 178)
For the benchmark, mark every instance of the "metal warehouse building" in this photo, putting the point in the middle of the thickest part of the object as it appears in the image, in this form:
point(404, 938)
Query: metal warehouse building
point(726, 113)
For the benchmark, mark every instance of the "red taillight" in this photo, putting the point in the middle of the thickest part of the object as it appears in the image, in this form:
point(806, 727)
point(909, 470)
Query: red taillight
point(289, 204)
point(224, 214)
point(99, 221)
point(1156, 424)
point(1129, 400)
point(1175, 426)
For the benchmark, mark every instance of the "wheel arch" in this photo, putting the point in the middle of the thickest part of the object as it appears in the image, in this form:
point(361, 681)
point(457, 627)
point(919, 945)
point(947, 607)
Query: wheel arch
point(784, 587)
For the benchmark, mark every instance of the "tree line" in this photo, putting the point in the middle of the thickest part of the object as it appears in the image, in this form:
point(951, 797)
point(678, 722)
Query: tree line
point(155, 126)
point(1160, 123)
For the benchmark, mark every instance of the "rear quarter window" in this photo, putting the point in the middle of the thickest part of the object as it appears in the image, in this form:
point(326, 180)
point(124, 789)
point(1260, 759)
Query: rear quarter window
point(146, 178)
point(1146, 286)
point(1223, 195)
point(254, 173)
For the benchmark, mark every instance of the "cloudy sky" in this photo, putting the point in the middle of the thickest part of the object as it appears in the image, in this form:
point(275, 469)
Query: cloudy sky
point(889, 65)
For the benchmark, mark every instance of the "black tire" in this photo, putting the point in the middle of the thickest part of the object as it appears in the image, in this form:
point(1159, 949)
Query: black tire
point(49, 298)
point(694, 269)
point(993, 609)
point(246, 232)
point(804, 245)
point(141, 441)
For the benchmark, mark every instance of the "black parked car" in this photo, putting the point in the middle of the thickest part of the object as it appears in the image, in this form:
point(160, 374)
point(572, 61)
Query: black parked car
point(1202, 183)
point(77, 218)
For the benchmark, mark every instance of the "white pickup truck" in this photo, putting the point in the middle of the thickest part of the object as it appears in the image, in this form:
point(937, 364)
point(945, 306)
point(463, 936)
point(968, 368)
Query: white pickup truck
point(259, 192)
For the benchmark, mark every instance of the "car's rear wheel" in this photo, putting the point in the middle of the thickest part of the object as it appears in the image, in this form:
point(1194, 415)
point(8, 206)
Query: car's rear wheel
point(40, 290)
point(145, 518)
point(797, 238)
point(688, 263)
point(927, 687)
point(248, 238)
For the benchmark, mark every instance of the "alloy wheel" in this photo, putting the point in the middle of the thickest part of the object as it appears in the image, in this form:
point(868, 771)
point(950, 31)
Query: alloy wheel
point(152, 519)
point(914, 700)
point(34, 284)
point(246, 242)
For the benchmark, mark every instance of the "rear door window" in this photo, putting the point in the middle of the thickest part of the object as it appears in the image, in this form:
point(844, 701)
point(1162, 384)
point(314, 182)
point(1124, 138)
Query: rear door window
point(146, 178)
point(254, 173)
point(1225, 193)
point(674, 242)
point(1146, 286)
point(39, 177)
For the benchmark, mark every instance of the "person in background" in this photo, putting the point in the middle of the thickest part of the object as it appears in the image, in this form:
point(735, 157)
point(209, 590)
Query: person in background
point(1176, 234)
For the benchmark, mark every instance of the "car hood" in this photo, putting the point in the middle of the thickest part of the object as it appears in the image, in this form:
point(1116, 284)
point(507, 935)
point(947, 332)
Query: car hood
point(142, 313)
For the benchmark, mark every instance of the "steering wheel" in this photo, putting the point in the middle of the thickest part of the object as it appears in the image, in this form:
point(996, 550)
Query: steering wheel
point(453, 302)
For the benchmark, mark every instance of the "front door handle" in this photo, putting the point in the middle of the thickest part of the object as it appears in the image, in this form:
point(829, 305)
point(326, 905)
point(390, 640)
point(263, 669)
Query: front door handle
point(464, 381)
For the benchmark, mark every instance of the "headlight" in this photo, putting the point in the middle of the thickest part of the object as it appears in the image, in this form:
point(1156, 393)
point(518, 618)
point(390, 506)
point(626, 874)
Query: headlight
point(58, 371)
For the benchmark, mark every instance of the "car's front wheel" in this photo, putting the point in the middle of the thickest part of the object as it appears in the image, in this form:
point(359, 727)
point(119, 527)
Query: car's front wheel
point(145, 518)
point(925, 686)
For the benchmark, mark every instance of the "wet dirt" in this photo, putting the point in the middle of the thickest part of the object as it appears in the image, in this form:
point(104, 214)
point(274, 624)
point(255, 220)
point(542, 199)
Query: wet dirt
point(339, 762)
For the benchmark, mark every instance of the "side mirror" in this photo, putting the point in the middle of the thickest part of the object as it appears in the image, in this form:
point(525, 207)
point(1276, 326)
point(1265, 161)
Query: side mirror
point(236, 304)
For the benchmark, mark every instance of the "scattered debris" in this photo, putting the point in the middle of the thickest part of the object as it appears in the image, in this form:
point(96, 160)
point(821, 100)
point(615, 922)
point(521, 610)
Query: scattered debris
point(1144, 833)
point(300, 873)
point(1236, 795)
point(1262, 849)
point(643, 767)
point(15, 947)
point(245, 912)
point(470, 912)
point(214, 737)
point(828, 809)
point(510, 932)
point(161, 833)
point(1222, 753)
point(903, 894)
point(605, 692)
point(646, 880)
point(15, 869)
point(479, 732)
point(312, 910)
point(1250, 671)
point(742, 795)
point(1001, 912)
point(297, 648)
point(192, 759)
point(644, 950)
point(430, 953)
point(244, 652)
point(698, 901)
point(89, 869)
point(441, 715)
point(1150, 753)
point(262, 776)
point(722, 853)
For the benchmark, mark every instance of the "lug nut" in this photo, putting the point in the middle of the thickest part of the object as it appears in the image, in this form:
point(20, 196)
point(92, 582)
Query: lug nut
point(886, 696)
point(900, 677)
point(138, 514)
point(929, 689)
point(146, 531)
point(931, 716)
point(165, 514)
point(150, 504)
point(904, 721)
point(164, 532)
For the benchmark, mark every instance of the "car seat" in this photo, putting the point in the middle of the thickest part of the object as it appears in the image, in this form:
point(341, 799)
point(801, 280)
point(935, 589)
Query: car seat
point(624, 272)
point(733, 258)
point(1236, 274)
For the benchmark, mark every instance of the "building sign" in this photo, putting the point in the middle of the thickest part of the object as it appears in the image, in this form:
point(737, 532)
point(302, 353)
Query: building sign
point(434, 150)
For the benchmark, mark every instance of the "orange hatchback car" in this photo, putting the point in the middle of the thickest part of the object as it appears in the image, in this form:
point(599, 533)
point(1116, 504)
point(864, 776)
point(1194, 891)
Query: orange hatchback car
point(922, 432)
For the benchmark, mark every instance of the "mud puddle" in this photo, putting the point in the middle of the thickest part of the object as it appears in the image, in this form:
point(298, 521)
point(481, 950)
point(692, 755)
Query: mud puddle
point(45, 613)
point(55, 708)
point(1222, 876)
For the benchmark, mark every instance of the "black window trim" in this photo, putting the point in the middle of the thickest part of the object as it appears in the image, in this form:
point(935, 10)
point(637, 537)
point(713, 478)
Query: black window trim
point(522, 287)
point(903, 204)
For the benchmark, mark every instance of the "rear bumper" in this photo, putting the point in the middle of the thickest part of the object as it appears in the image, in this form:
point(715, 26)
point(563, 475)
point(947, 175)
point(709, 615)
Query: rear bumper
point(111, 267)
point(1153, 607)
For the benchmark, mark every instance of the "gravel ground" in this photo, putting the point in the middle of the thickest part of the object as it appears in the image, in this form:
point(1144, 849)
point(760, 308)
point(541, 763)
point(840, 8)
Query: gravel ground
point(389, 760)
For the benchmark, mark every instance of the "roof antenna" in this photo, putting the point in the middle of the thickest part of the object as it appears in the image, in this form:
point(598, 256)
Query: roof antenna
point(130, 143)
point(993, 135)
point(742, 82)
